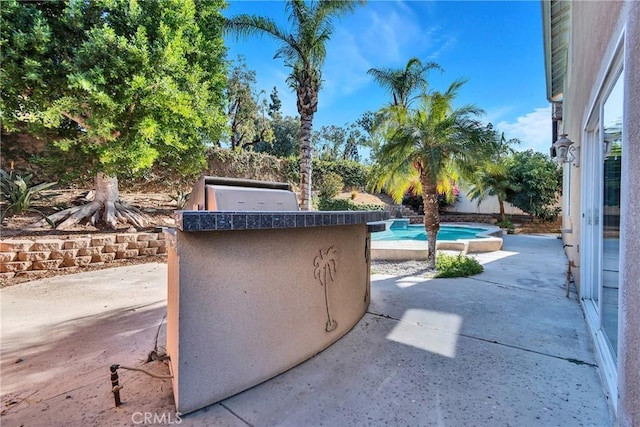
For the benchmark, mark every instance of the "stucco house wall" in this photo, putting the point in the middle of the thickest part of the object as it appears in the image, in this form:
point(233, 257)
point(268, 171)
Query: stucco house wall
point(586, 66)
point(597, 30)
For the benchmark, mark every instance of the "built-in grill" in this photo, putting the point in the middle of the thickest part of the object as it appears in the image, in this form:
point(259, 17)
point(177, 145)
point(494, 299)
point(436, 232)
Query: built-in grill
point(232, 194)
point(256, 286)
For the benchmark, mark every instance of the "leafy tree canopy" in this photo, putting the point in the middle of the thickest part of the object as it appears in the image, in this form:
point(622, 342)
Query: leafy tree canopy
point(247, 116)
point(536, 184)
point(345, 142)
point(488, 174)
point(132, 82)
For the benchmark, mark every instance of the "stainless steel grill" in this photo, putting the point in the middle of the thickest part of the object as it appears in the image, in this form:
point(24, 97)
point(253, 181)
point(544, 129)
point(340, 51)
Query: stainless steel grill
point(231, 194)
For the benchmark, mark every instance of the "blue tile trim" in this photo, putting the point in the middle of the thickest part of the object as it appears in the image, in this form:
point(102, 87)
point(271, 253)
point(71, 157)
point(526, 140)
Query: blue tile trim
point(191, 221)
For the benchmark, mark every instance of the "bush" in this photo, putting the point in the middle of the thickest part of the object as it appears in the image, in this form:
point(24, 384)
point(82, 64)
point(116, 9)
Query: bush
point(17, 192)
point(416, 202)
point(505, 224)
point(181, 198)
point(354, 175)
point(457, 266)
point(536, 184)
point(325, 204)
point(329, 185)
point(245, 164)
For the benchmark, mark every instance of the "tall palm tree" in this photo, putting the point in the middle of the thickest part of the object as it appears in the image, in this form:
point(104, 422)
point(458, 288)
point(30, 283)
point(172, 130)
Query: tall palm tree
point(490, 176)
point(420, 149)
point(402, 83)
point(303, 49)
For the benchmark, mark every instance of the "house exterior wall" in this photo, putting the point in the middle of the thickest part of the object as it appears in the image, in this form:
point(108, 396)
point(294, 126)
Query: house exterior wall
point(596, 30)
point(629, 327)
point(586, 65)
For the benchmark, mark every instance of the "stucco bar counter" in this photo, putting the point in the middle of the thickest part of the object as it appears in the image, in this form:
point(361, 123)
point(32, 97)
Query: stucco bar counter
point(252, 294)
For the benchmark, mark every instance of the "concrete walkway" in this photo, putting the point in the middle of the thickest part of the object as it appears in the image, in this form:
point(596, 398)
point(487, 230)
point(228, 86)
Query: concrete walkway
point(504, 348)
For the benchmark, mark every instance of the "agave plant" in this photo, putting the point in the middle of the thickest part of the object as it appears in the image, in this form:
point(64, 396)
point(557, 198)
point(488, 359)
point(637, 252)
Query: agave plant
point(181, 198)
point(18, 194)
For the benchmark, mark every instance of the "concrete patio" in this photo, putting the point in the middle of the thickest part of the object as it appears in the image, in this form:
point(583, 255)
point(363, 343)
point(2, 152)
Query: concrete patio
point(505, 347)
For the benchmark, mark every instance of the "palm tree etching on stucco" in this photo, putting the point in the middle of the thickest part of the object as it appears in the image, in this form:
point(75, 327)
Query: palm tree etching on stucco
point(324, 268)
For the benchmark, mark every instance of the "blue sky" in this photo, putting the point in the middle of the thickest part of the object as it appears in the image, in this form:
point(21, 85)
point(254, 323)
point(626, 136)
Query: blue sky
point(497, 46)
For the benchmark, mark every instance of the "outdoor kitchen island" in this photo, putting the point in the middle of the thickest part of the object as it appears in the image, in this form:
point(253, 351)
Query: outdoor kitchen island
point(253, 293)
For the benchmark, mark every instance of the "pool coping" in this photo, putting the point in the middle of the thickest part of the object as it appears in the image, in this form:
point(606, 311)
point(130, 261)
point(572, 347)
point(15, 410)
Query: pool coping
point(402, 250)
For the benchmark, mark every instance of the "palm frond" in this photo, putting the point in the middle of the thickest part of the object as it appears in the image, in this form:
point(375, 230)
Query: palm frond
point(249, 25)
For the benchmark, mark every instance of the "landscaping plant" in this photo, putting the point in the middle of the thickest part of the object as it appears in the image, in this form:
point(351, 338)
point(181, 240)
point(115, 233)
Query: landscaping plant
point(304, 49)
point(18, 194)
point(330, 185)
point(326, 204)
point(456, 266)
point(422, 145)
point(126, 84)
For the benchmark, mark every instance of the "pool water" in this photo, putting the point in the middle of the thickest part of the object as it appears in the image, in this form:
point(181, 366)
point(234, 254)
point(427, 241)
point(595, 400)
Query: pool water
point(417, 232)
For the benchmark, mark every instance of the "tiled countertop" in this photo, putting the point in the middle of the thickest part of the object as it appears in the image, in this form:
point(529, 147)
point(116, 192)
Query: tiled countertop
point(191, 221)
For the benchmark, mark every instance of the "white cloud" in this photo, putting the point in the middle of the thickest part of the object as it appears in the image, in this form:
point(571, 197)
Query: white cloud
point(533, 130)
point(384, 35)
point(496, 114)
point(345, 70)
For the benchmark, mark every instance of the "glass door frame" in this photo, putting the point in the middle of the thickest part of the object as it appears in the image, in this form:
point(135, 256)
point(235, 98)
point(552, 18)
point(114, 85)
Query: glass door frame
point(591, 241)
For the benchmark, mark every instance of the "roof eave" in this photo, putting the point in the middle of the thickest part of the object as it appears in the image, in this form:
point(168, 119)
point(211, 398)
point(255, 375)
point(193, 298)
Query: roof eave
point(556, 29)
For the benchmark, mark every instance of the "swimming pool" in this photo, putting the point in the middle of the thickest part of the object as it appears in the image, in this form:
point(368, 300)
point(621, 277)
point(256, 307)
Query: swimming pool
point(417, 232)
point(403, 242)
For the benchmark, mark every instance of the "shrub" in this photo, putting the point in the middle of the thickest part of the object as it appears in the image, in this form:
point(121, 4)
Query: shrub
point(416, 202)
point(181, 198)
point(17, 192)
point(329, 185)
point(457, 266)
point(245, 164)
point(536, 184)
point(353, 174)
point(505, 224)
point(325, 204)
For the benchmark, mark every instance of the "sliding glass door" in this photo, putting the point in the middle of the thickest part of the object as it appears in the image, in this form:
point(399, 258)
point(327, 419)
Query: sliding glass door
point(611, 192)
point(601, 192)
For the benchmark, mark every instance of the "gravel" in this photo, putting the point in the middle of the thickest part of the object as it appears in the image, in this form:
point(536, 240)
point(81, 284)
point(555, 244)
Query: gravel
point(401, 268)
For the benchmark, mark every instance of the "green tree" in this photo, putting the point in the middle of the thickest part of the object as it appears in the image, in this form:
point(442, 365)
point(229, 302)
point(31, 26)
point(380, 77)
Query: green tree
point(421, 146)
point(490, 174)
point(339, 142)
point(286, 137)
point(133, 83)
point(368, 124)
point(327, 142)
point(536, 183)
point(241, 105)
point(404, 83)
point(263, 125)
point(303, 49)
point(275, 104)
point(246, 110)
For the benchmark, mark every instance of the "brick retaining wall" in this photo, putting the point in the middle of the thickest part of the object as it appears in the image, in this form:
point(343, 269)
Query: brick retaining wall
point(33, 257)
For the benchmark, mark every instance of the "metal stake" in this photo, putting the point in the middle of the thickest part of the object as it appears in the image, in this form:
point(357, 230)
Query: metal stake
point(115, 387)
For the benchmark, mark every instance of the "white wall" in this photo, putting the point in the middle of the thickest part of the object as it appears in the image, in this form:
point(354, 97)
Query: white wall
point(488, 206)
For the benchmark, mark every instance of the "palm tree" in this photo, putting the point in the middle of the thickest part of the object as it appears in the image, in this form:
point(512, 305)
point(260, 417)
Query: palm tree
point(421, 146)
point(303, 49)
point(402, 83)
point(490, 176)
